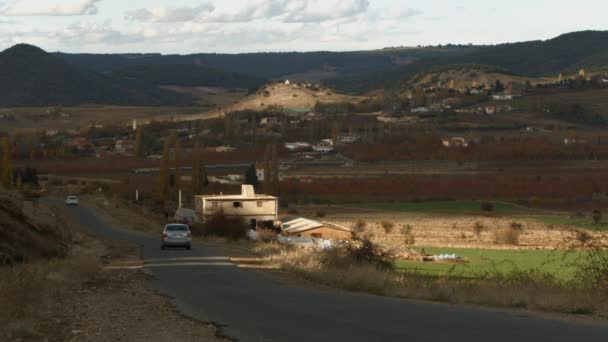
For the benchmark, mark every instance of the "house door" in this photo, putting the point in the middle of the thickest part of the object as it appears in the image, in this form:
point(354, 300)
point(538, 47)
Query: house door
point(253, 224)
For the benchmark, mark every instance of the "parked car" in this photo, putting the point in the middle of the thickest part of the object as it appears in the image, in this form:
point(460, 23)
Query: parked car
point(176, 235)
point(71, 200)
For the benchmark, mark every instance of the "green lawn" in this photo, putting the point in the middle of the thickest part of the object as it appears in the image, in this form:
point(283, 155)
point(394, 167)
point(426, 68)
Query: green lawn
point(449, 207)
point(484, 261)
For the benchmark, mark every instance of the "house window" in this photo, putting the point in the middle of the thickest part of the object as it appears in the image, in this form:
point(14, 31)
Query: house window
point(215, 205)
point(260, 204)
point(237, 204)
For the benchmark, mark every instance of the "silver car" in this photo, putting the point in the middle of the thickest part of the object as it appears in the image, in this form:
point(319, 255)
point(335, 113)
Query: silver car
point(71, 200)
point(176, 235)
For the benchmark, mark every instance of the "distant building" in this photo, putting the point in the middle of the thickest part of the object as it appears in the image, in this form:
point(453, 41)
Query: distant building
point(456, 142)
point(254, 209)
point(302, 227)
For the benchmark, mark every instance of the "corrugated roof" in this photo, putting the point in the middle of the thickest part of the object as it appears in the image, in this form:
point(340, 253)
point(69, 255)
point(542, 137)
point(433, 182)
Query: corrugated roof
point(294, 225)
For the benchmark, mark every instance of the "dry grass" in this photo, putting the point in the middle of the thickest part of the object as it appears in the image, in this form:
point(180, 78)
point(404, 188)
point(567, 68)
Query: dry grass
point(335, 268)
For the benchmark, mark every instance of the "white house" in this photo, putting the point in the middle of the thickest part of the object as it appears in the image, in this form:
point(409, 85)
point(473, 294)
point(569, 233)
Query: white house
point(249, 206)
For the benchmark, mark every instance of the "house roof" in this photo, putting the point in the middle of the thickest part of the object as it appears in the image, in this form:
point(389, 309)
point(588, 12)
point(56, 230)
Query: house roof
point(299, 224)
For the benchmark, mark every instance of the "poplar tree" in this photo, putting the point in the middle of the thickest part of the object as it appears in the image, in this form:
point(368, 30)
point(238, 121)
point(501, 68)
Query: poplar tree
point(5, 164)
point(164, 172)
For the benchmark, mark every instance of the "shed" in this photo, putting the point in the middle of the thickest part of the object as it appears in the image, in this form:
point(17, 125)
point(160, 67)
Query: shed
point(302, 227)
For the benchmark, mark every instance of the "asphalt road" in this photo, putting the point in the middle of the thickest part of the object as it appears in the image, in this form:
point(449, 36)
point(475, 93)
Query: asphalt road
point(251, 307)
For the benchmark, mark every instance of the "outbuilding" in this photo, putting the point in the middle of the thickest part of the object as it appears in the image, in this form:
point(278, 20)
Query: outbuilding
point(302, 227)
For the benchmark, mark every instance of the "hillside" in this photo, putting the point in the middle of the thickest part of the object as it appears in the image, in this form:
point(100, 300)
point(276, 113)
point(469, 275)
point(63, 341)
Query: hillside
point(31, 77)
point(298, 66)
point(187, 76)
point(530, 59)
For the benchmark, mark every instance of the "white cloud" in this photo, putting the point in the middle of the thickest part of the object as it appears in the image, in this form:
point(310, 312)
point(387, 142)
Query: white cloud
point(170, 14)
point(50, 8)
point(322, 10)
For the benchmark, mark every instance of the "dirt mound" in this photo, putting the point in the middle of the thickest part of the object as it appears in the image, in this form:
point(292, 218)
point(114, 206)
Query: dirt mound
point(21, 238)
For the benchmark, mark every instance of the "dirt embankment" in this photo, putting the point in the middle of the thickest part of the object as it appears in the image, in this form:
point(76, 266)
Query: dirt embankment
point(24, 238)
point(92, 290)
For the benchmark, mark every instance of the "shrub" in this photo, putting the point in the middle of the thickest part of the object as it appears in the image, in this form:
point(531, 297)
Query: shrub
point(487, 206)
point(517, 226)
point(507, 236)
point(292, 211)
point(266, 235)
point(222, 226)
point(321, 213)
point(388, 226)
point(478, 227)
point(582, 236)
point(410, 239)
point(597, 216)
point(359, 226)
point(363, 250)
point(406, 230)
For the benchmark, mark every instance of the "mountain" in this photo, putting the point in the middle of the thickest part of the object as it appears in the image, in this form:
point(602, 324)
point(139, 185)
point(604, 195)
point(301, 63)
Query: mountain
point(31, 77)
point(186, 75)
point(532, 59)
point(272, 65)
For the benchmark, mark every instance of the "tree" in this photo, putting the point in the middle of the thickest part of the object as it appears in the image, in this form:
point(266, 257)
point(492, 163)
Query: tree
point(177, 161)
point(139, 144)
point(251, 176)
point(498, 87)
point(5, 164)
point(199, 172)
point(163, 180)
point(597, 216)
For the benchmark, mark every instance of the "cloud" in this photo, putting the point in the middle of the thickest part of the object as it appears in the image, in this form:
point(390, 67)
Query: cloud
point(289, 11)
point(323, 10)
point(50, 8)
point(170, 14)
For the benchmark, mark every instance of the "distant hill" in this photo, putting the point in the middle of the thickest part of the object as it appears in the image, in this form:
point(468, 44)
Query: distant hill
point(531, 59)
point(186, 75)
point(31, 77)
point(274, 65)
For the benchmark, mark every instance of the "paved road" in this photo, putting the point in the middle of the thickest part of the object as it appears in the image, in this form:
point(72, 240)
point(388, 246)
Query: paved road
point(251, 307)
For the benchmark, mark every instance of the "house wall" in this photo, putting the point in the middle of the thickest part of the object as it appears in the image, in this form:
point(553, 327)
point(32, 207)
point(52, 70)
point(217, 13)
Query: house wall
point(249, 209)
point(326, 233)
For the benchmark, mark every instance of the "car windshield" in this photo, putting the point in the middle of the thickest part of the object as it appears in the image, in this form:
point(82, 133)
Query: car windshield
point(177, 228)
point(72, 197)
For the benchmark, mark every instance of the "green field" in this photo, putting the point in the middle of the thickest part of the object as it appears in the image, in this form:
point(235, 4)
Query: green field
point(448, 207)
point(482, 262)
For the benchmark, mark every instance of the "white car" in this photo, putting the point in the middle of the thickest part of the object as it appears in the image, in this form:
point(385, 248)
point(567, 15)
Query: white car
point(176, 235)
point(71, 200)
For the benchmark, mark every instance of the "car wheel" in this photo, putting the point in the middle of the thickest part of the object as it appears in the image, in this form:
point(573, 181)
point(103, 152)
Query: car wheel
point(188, 247)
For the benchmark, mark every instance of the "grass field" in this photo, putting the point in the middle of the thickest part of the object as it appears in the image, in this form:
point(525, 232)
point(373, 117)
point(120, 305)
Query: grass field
point(481, 262)
point(446, 207)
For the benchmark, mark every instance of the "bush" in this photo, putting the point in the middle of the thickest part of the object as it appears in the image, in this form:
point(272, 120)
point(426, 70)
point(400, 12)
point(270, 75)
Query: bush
point(363, 250)
point(388, 226)
point(478, 227)
point(597, 216)
point(406, 230)
point(507, 236)
point(517, 226)
point(487, 206)
point(359, 226)
point(410, 239)
point(292, 211)
point(321, 213)
point(266, 235)
point(220, 225)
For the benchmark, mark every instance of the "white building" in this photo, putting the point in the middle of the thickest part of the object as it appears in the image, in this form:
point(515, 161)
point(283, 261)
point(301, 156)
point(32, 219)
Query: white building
point(253, 208)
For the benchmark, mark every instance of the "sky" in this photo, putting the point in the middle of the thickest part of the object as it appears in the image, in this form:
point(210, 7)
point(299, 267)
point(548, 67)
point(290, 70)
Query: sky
point(235, 26)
